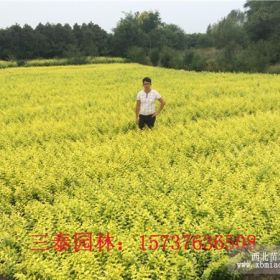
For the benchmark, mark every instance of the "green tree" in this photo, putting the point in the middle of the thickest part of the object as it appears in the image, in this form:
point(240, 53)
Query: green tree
point(263, 23)
point(229, 31)
point(127, 33)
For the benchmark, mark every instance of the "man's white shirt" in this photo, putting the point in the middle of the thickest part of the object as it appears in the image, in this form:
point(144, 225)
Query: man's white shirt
point(147, 106)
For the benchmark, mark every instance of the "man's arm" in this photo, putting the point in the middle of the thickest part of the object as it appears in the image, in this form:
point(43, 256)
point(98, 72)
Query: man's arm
point(137, 109)
point(162, 104)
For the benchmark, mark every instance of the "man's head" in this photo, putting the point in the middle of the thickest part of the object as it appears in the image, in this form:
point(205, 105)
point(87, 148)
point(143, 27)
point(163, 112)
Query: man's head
point(147, 83)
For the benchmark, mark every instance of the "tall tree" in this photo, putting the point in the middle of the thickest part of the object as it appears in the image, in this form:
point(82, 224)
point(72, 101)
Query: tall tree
point(229, 31)
point(263, 26)
point(263, 20)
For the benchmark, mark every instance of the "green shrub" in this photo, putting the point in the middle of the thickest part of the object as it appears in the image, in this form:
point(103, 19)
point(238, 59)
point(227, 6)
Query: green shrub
point(21, 62)
point(138, 54)
point(273, 69)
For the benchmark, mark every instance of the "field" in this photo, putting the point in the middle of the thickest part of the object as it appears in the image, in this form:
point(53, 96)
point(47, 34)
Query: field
point(72, 160)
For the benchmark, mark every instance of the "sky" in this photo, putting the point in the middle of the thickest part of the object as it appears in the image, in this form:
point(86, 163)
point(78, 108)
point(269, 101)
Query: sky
point(192, 16)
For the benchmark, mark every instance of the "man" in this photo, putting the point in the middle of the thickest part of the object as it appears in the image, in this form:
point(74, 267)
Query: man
point(145, 105)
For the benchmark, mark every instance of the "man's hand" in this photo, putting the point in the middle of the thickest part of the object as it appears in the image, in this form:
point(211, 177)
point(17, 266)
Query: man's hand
point(155, 114)
point(137, 120)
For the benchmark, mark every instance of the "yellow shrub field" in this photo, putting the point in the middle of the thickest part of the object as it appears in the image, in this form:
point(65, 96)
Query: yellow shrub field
point(72, 160)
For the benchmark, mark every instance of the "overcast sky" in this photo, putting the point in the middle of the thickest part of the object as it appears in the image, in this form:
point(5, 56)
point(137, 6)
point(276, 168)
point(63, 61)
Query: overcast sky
point(192, 16)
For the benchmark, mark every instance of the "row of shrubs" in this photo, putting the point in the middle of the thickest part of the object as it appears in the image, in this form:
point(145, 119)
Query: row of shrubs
point(203, 59)
point(61, 61)
point(206, 59)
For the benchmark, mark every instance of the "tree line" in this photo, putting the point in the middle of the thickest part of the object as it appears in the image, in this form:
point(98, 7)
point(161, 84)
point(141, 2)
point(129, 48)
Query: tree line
point(246, 40)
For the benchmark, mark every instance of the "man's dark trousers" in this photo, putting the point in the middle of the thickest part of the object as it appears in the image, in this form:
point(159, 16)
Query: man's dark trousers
point(146, 119)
